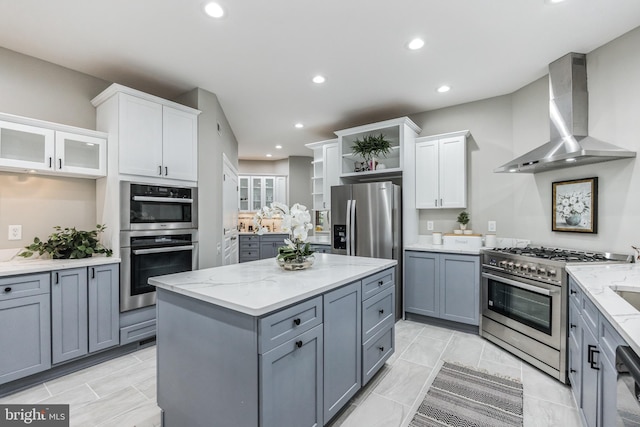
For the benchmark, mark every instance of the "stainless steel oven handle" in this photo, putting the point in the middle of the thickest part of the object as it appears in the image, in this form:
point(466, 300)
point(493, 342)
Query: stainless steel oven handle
point(162, 250)
point(532, 288)
point(160, 199)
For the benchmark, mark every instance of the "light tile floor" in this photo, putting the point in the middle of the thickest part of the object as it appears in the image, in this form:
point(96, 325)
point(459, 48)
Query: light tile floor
point(121, 392)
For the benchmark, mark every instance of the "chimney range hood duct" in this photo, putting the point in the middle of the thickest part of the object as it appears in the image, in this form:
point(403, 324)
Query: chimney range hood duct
point(568, 109)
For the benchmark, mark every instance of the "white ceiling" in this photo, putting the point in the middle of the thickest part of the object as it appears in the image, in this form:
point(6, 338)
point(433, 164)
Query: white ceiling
point(260, 58)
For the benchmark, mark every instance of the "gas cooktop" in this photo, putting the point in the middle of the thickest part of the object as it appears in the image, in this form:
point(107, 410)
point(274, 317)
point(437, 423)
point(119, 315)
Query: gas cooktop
point(563, 255)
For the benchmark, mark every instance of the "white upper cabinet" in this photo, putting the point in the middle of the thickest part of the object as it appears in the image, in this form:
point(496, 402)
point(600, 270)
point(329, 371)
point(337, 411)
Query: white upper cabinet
point(398, 132)
point(254, 192)
point(29, 145)
point(441, 171)
point(326, 172)
point(155, 137)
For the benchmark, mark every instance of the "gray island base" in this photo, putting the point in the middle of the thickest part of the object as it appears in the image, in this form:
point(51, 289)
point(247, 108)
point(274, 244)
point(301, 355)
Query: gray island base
point(253, 345)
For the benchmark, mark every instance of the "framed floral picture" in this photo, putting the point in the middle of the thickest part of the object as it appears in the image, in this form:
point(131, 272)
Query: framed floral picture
point(575, 205)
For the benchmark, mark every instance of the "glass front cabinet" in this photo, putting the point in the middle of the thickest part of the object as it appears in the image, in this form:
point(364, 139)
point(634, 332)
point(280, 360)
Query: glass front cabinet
point(28, 148)
point(254, 192)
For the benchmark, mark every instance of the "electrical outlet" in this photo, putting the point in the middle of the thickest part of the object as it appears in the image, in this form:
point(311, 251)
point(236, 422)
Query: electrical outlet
point(15, 232)
point(430, 225)
point(491, 226)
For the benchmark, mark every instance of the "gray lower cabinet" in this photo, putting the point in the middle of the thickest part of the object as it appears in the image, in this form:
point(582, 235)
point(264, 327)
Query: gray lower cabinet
point(84, 311)
point(291, 382)
point(69, 338)
point(104, 309)
point(342, 347)
point(254, 246)
point(443, 285)
point(25, 334)
point(592, 374)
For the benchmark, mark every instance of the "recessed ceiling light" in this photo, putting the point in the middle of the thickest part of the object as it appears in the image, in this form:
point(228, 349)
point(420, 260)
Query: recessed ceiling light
point(319, 79)
point(269, 155)
point(214, 10)
point(415, 44)
point(570, 159)
point(299, 125)
point(278, 147)
point(513, 170)
point(444, 88)
point(553, 1)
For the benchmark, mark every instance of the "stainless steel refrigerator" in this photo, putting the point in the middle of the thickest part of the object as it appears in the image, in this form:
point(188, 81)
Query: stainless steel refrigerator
point(367, 221)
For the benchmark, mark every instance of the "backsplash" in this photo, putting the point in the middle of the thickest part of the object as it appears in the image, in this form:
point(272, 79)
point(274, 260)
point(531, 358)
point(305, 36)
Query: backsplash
point(245, 223)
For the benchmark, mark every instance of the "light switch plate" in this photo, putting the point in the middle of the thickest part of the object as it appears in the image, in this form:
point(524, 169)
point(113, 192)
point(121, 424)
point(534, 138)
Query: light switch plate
point(491, 226)
point(15, 232)
point(430, 225)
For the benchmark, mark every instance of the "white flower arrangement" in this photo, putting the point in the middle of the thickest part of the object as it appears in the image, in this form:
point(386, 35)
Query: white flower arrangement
point(295, 221)
point(573, 203)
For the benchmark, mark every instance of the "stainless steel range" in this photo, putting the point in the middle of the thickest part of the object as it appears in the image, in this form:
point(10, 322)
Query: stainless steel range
point(524, 302)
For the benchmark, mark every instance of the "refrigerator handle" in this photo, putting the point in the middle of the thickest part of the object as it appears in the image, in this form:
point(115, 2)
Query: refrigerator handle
point(353, 227)
point(348, 231)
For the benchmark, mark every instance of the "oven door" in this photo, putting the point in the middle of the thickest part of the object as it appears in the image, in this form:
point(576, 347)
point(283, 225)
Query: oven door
point(141, 211)
point(527, 306)
point(153, 254)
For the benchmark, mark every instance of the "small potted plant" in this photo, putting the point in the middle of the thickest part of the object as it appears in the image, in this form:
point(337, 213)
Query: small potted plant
point(371, 146)
point(463, 220)
point(69, 243)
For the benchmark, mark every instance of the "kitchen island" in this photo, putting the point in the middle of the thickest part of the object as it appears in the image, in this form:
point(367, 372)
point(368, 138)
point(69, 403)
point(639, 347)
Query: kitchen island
point(253, 345)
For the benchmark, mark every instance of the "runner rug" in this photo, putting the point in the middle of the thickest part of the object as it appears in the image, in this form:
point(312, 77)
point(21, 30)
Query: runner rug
point(463, 397)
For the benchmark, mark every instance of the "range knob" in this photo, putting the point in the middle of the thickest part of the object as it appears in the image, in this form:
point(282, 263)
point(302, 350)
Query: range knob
point(518, 267)
point(542, 271)
point(502, 264)
point(510, 265)
point(532, 269)
point(551, 273)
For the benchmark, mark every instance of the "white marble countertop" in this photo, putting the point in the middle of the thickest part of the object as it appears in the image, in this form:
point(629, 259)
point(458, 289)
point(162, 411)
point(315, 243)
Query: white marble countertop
point(598, 280)
point(430, 247)
point(19, 265)
point(320, 240)
point(260, 287)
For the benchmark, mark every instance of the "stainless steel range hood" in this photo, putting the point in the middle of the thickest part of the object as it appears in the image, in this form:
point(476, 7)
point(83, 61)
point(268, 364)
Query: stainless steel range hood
point(568, 109)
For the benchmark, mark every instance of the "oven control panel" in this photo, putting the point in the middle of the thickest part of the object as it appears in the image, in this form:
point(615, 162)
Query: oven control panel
point(524, 268)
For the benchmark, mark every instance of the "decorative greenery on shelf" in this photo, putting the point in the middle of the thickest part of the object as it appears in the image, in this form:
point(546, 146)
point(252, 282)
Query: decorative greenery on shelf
point(69, 243)
point(463, 218)
point(371, 146)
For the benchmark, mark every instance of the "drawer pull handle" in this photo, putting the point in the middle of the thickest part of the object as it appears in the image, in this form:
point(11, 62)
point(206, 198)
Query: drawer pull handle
point(7, 289)
point(296, 321)
point(381, 311)
point(381, 348)
point(572, 292)
point(380, 283)
point(591, 351)
point(298, 344)
point(571, 325)
point(573, 371)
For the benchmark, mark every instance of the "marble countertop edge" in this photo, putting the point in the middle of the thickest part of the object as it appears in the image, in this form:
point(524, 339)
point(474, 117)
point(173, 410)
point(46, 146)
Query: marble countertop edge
point(599, 283)
point(19, 265)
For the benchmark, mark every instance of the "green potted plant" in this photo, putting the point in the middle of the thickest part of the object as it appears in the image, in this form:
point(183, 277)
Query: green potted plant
point(371, 146)
point(463, 220)
point(69, 243)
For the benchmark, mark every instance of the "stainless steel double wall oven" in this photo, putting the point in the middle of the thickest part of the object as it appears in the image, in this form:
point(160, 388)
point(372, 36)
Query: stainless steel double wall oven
point(158, 236)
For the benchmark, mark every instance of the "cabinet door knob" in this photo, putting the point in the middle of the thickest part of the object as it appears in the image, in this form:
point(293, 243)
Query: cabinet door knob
point(571, 325)
point(298, 344)
point(381, 311)
point(573, 371)
point(50, 162)
point(296, 321)
point(381, 348)
point(59, 163)
point(57, 278)
point(93, 273)
point(572, 292)
point(435, 202)
point(7, 289)
point(160, 170)
point(380, 282)
point(166, 170)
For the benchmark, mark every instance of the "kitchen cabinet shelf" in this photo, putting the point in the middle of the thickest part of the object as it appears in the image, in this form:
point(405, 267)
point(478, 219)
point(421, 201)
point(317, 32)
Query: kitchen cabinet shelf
point(254, 192)
point(325, 172)
point(398, 132)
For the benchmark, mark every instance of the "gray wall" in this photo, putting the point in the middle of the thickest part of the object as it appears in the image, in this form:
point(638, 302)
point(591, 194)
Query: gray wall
point(506, 127)
point(211, 145)
point(264, 167)
point(41, 90)
point(300, 173)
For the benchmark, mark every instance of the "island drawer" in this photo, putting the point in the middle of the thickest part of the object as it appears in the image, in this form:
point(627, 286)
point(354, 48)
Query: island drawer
point(249, 238)
point(24, 285)
point(375, 352)
point(250, 245)
point(575, 293)
point(286, 324)
point(377, 283)
point(377, 313)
